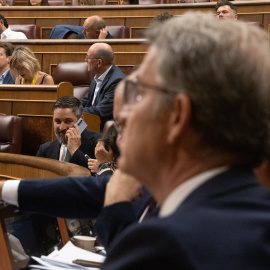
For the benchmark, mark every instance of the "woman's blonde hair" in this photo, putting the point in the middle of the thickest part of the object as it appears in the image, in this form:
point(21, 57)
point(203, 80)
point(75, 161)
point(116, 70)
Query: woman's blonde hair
point(24, 57)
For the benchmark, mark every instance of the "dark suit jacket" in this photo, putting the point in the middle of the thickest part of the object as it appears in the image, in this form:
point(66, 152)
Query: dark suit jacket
point(103, 105)
point(79, 198)
point(114, 219)
point(89, 140)
point(8, 79)
point(224, 224)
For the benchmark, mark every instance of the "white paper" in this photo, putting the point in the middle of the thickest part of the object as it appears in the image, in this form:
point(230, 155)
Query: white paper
point(62, 259)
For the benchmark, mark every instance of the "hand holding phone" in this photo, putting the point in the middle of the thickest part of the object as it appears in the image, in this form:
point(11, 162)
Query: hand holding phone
point(81, 125)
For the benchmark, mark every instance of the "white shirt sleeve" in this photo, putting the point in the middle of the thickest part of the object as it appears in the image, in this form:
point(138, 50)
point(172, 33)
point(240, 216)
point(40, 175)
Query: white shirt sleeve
point(10, 191)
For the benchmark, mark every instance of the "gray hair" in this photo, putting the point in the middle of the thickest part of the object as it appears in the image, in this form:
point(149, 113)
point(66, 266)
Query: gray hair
point(69, 102)
point(223, 66)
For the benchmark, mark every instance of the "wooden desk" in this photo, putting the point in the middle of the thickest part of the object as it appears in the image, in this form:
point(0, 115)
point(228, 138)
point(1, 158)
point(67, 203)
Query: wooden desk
point(127, 53)
point(19, 167)
point(130, 16)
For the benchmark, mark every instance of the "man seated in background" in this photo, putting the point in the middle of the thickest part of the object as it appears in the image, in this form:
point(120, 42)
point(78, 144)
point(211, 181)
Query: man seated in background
point(99, 99)
point(7, 33)
point(6, 50)
point(94, 27)
point(203, 131)
point(70, 145)
point(226, 10)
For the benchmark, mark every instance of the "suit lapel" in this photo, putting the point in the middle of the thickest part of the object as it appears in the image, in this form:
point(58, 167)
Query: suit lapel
point(91, 94)
point(54, 150)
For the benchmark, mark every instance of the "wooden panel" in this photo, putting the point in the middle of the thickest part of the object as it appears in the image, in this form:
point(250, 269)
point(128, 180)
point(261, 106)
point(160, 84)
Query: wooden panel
point(6, 107)
point(52, 52)
point(92, 121)
point(137, 32)
point(32, 107)
point(37, 129)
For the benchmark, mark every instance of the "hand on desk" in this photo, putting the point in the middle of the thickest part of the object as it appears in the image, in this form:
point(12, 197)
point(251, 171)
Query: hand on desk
point(121, 187)
point(73, 136)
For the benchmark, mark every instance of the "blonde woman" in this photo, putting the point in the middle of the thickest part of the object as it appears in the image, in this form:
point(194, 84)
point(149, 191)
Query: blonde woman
point(25, 68)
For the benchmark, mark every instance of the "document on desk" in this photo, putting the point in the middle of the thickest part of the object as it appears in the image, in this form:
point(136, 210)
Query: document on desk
point(62, 259)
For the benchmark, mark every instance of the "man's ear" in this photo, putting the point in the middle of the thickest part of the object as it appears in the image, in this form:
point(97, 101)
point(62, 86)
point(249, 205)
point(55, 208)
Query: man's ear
point(179, 118)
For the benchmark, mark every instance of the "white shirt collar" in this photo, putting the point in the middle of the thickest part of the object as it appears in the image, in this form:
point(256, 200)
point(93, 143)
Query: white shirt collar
point(179, 194)
point(102, 76)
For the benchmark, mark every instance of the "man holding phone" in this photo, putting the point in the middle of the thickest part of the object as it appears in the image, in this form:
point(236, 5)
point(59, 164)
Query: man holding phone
point(73, 139)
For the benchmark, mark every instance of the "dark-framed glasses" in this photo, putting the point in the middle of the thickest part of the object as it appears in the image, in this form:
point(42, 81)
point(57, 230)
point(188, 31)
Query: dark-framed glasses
point(133, 91)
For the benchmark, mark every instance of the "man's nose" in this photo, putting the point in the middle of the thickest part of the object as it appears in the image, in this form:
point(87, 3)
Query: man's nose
point(62, 126)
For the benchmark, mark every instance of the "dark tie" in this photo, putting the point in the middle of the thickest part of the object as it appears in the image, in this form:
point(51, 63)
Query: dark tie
point(151, 207)
point(67, 157)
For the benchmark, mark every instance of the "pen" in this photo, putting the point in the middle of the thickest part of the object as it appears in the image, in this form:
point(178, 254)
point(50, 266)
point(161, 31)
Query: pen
point(87, 263)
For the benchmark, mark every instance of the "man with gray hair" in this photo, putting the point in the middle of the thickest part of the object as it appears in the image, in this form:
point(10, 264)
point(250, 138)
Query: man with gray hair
point(99, 99)
point(202, 103)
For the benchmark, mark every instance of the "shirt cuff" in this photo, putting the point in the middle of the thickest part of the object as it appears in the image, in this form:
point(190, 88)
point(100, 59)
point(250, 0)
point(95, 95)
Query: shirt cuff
point(10, 192)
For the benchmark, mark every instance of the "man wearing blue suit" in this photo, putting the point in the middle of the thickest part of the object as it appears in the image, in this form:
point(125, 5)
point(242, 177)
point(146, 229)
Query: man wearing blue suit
point(99, 99)
point(6, 50)
point(204, 112)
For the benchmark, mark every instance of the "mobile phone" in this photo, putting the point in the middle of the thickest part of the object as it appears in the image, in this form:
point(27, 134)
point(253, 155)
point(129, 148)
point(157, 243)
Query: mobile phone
point(81, 125)
point(87, 157)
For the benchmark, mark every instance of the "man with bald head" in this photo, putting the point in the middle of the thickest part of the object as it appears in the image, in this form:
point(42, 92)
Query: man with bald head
point(99, 99)
point(94, 27)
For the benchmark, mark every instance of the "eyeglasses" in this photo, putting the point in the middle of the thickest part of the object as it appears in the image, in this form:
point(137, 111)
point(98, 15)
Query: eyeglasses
point(133, 91)
point(87, 57)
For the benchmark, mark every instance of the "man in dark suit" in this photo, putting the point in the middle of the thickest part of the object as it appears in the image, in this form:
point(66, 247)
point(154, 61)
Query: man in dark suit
point(203, 131)
point(6, 50)
point(70, 145)
point(99, 99)
point(204, 115)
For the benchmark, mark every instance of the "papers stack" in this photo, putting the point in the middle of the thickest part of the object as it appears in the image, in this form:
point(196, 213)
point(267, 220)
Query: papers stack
point(62, 259)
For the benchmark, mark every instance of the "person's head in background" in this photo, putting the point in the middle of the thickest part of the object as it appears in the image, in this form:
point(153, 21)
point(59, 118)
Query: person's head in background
point(92, 26)
point(109, 138)
point(162, 17)
point(3, 24)
point(6, 50)
point(129, 2)
point(99, 58)
point(24, 63)
point(3, 3)
point(87, 2)
point(25, 67)
point(66, 112)
point(38, 3)
point(226, 10)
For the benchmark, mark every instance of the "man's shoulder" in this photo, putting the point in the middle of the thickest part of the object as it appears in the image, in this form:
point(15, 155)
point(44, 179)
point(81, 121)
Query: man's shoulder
point(116, 73)
point(90, 134)
point(51, 144)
